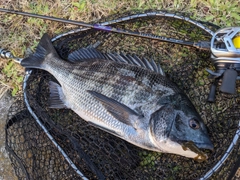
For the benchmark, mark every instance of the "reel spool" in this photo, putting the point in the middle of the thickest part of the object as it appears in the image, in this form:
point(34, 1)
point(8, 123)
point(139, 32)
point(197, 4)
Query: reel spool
point(225, 48)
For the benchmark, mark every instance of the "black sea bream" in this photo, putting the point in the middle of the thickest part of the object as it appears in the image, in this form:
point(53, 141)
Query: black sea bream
point(125, 96)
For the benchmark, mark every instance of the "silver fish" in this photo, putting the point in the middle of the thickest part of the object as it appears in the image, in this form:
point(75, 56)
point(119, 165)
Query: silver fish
point(125, 96)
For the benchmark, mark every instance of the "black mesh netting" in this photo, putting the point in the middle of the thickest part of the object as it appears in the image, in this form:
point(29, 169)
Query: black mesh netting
point(99, 155)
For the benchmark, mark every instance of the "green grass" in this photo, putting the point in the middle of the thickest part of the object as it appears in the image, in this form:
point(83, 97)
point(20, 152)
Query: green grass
point(12, 77)
point(17, 33)
point(148, 159)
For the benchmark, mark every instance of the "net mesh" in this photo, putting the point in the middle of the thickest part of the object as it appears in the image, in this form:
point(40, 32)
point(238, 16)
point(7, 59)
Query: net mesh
point(99, 155)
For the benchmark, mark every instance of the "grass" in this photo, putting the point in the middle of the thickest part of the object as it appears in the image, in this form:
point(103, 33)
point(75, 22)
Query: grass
point(17, 33)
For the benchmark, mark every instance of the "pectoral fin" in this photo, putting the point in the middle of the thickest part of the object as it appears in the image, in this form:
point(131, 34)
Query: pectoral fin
point(118, 110)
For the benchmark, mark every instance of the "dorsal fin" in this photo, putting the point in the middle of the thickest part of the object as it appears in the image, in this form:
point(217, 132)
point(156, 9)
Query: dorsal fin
point(135, 60)
point(85, 54)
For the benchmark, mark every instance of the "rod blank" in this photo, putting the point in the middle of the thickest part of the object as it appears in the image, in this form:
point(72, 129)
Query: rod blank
point(108, 28)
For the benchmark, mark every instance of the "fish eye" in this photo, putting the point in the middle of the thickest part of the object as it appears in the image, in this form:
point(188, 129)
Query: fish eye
point(194, 124)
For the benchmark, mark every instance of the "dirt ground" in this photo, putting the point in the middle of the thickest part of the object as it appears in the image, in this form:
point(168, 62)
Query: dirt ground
point(6, 170)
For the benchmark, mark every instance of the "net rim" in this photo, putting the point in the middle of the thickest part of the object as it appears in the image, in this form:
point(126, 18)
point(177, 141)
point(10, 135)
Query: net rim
point(213, 170)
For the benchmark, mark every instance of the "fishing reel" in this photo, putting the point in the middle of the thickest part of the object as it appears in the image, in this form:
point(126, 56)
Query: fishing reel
point(225, 48)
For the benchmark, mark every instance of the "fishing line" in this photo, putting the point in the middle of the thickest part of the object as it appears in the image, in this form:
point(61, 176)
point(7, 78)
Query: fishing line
point(103, 27)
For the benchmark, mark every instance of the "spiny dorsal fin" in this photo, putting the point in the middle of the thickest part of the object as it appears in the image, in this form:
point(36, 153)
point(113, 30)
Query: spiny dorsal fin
point(85, 54)
point(135, 60)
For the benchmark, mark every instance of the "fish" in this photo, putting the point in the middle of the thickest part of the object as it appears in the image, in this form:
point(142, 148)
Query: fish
point(124, 95)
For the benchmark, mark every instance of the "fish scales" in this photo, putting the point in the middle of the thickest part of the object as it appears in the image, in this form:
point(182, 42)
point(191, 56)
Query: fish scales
point(112, 86)
point(76, 87)
point(132, 94)
point(105, 81)
point(134, 103)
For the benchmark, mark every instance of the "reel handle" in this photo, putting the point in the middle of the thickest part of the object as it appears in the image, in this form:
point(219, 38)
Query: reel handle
point(229, 81)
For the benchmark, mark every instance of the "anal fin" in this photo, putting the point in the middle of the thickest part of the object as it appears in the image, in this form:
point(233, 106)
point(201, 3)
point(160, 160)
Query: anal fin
point(57, 98)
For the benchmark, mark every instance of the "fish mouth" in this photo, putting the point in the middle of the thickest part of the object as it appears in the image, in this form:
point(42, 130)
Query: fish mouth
point(205, 143)
point(201, 156)
point(195, 147)
point(208, 146)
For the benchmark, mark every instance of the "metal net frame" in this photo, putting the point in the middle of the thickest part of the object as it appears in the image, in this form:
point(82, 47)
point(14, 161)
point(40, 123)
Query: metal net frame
point(46, 143)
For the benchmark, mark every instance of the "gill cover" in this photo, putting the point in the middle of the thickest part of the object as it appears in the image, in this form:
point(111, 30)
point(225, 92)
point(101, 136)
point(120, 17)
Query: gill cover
point(161, 123)
point(172, 124)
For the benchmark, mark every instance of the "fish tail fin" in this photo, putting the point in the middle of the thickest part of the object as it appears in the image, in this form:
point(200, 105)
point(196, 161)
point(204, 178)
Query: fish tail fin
point(44, 48)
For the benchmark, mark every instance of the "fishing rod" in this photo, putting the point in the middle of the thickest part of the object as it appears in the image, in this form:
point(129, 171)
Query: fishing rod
point(200, 45)
point(224, 45)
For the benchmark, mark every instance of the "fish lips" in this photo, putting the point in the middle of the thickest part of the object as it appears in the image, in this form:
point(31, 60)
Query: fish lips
point(204, 144)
